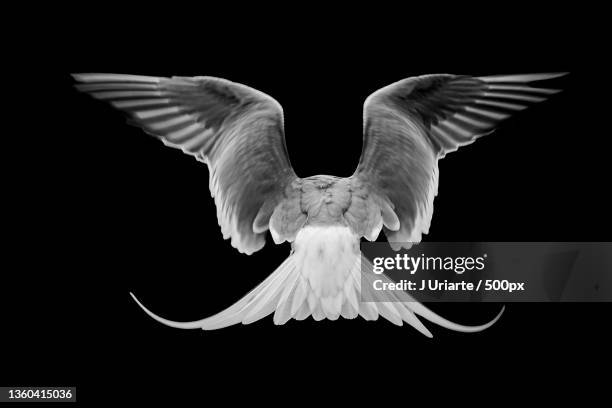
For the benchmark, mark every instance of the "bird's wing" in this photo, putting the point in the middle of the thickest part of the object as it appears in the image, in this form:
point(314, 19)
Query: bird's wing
point(412, 123)
point(236, 130)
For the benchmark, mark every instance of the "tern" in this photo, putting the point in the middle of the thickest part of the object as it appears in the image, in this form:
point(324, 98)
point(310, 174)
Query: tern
point(238, 133)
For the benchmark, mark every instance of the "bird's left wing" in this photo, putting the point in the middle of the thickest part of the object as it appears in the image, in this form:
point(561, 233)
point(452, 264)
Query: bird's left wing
point(412, 123)
point(236, 130)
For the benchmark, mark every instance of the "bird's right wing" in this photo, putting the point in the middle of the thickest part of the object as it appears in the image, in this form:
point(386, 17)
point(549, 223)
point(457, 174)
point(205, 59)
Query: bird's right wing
point(412, 123)
point(236, 130)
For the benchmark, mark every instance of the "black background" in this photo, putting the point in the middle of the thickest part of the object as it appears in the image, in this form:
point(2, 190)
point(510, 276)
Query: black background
point(99, 208)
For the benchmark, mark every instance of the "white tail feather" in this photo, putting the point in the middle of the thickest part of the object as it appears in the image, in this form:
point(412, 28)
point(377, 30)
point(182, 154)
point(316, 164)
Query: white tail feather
point(322, 279)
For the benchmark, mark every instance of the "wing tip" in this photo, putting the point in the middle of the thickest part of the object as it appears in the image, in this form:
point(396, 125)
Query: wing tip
point(525, 78)
point(89, 77)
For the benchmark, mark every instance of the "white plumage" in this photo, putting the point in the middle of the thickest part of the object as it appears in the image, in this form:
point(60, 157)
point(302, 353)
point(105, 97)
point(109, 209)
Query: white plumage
point(321, 278)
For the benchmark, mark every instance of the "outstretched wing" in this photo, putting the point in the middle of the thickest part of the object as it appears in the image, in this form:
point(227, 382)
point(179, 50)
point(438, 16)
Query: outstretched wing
point(412, 123)
point(236, 130)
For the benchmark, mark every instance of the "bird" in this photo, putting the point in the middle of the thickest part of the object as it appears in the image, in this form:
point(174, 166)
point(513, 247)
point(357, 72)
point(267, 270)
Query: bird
point(238, 132)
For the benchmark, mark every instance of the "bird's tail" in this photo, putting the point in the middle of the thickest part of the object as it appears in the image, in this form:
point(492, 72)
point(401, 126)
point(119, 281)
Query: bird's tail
point(322, 278)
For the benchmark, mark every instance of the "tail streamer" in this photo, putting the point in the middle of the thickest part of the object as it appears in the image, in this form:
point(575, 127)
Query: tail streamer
point(322, 278)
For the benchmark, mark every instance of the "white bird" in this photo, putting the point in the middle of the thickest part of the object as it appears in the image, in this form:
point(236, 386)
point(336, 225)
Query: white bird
point(238, 132)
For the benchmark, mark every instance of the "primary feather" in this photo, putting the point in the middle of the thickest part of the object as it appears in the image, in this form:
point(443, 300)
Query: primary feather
point(238, 132)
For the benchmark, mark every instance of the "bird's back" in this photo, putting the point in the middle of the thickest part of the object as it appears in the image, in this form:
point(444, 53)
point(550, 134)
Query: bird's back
point(336, 201)
point(325, 199)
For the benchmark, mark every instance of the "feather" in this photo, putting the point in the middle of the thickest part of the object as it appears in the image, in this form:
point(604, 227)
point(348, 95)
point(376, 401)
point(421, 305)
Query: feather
point(287, 293)
point(411, 124)
point(236, 130)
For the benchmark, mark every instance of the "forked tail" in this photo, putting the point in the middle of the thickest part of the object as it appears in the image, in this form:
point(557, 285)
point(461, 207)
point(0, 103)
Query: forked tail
point(322, 278)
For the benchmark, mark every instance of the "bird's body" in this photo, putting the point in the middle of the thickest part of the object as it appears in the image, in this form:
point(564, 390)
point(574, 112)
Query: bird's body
point(324, 200)
point(238, 132)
